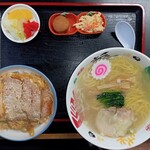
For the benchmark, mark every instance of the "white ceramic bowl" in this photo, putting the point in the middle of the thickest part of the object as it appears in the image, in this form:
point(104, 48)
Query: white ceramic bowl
point(100, 141)
point(15, 135)
point(19, 6)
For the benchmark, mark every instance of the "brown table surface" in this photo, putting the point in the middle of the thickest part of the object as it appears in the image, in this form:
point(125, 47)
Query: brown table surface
point(74, 140)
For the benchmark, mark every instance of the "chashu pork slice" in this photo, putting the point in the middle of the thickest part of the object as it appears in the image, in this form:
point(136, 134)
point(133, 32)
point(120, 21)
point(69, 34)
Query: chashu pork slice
point(11, 95)
point(31, 100)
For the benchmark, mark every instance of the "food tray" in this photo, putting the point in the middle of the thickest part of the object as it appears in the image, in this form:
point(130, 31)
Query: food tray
point(58, 56)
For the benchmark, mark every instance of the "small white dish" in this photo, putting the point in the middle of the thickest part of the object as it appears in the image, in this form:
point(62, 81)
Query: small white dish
point(19, 6)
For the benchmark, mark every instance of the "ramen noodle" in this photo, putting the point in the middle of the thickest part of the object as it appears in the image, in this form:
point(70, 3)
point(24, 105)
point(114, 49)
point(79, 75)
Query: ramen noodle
point(117, 104)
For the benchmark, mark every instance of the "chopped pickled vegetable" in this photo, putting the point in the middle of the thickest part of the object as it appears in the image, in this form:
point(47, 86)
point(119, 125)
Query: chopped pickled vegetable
point(91, 22)
point(30, 28)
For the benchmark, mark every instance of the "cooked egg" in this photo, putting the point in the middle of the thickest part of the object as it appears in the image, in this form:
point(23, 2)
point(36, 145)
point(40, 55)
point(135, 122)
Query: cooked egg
point(60, 24)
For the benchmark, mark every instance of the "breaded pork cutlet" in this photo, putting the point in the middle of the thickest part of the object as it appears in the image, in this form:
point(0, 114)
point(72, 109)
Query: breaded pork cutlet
point(25, 102)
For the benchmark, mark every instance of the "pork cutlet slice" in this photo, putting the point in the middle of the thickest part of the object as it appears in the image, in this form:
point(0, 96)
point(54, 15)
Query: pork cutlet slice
point(2, 108)
point(47, 103)
point(31, 100)
point(24, 100)
point(11, 94)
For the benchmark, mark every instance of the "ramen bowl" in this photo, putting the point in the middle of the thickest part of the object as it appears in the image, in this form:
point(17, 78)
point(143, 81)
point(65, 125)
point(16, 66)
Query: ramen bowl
point(20, 23)
point(30, 115)
point(74, 97)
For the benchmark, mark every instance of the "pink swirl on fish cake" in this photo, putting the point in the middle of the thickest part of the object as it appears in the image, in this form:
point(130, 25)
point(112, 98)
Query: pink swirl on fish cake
point(101, 69)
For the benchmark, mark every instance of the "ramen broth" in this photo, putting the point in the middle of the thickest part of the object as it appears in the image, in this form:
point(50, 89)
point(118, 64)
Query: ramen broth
point(134, 84)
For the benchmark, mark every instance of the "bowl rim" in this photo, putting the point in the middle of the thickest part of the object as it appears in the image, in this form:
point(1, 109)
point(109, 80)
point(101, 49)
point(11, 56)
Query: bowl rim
point(70, 83)
point(52, 116)
point(35, 14)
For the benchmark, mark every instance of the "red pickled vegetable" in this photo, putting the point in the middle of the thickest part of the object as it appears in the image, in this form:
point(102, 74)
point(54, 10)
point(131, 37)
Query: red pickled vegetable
point(27, 32)
point(30, 28)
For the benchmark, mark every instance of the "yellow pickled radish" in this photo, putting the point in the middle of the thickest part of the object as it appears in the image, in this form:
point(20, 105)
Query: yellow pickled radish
point(20, 14)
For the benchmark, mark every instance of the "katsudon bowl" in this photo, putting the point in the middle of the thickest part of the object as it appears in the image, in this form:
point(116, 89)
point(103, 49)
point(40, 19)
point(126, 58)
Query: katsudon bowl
point(28, 102)
point(107, 98)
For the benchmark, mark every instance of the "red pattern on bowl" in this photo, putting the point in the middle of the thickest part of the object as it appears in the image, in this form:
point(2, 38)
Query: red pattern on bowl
point(77, 120)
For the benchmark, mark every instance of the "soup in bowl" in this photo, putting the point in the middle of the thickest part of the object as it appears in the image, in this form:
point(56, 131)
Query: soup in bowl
point(108, 98)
